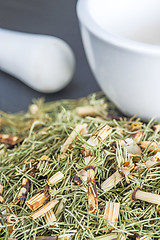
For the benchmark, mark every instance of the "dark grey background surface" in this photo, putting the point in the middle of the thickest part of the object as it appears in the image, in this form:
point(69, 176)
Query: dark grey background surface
point(53, 17)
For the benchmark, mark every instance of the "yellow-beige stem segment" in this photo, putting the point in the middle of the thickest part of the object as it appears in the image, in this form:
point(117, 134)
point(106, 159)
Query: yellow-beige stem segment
point(92, 191)
point(152, 146)
point(1, 191)
point(55, 178)
point(112, 181)
point(50, 219)
point(138, 194)
point(38, 199)
point(43, 210)
point(111, 213)
point(153, 160)
point(95, 140)
point(80, 129)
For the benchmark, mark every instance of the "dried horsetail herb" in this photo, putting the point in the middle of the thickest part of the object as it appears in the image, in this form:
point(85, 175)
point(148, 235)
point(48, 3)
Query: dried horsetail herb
point(44, 130)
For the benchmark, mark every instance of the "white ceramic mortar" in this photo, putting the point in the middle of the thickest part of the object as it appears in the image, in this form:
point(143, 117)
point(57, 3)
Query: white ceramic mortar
point(122, 43)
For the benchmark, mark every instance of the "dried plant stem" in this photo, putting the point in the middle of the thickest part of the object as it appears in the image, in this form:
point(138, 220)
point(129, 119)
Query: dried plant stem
point(138, 136)
point(55, 178)
point(38, 200)
point(111, 236)
point(152, 146)
point(60, 207)
point(80, 129)
point(96, 140)
point(111, 213)
point(138, 194)
point(92, 191)
point(1, 192)
point(80, 177)
point(121, 237)
point(100, 137)
point(50, 219)
point(87, 111)
point(142, 238)
point(153, 160)
point(24, 190)
point(112, 181)
point(11, 220)
point(43, 209)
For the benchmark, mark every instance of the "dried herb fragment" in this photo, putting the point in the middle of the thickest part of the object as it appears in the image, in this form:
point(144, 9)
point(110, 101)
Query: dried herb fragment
point(138, 136)
point(94, 141)
point(138, 194)
point(93, 111)
point(153, 160)
point(24, 190)
point(111, 214)
point(55, 178)
point(1, 191)
point(151, 146)
point(8, 139)
point(43, 210)
point(138, 237)
point(80, 177)
point(80, 129)
point(131, 146)
point(156, 128)
point(38, 199)
point(112, 181)
point(110, 236)
point(92, 191)
point(118, 176)
point(50, 219)
point(11, 220)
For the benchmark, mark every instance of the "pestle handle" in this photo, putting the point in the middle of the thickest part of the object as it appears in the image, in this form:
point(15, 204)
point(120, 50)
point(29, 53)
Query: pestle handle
point(45, 63)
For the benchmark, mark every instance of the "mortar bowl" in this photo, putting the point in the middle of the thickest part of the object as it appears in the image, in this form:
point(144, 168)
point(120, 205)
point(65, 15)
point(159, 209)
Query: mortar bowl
point(121, 39)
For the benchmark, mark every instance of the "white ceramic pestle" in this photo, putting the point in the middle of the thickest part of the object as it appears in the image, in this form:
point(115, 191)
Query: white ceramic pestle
point(45, 63)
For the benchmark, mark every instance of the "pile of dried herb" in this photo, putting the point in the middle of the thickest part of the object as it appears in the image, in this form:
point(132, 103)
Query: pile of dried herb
point(73, 170)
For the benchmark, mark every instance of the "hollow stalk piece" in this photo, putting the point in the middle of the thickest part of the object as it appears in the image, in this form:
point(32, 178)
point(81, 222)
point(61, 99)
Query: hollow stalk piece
point(138, 194)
